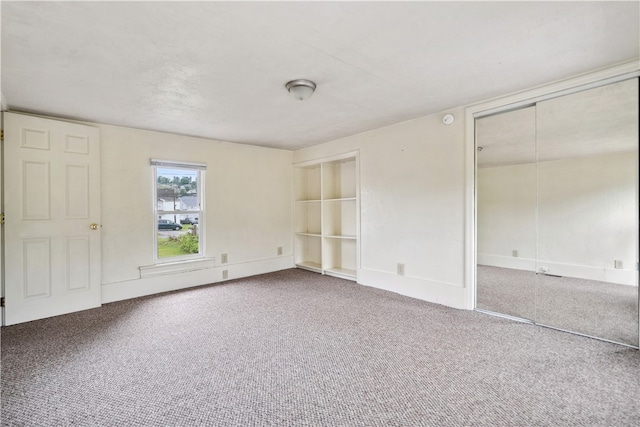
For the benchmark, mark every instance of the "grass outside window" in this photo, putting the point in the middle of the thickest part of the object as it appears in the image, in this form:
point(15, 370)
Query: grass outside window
point(185, 244)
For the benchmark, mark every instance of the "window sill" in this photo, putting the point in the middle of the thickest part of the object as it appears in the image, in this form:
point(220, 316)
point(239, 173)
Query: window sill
point(176, 267)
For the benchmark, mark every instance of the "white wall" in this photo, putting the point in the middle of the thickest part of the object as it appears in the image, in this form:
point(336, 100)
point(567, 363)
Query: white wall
point(248, 209)
point(412, 198)
point(589, 220)
point(417, 192)
point(506, 216)
point(417, 196)
point(586, 216)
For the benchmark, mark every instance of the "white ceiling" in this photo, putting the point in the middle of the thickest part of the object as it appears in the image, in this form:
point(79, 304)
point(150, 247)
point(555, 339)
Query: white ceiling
point(218, 69)
point(594, 122)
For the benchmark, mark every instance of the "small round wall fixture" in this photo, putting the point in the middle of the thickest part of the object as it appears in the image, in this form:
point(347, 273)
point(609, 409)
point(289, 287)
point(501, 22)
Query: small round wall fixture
point(301, 89)
point(448, 119)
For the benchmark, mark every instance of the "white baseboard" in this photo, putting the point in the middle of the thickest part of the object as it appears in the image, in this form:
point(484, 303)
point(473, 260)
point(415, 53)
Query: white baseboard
point(609, 275)
point(128, 289)
point(448, 294)
point(526, 264)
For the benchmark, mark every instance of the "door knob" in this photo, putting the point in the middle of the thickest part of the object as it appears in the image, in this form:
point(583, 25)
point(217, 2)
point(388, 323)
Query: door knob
point(94, 226)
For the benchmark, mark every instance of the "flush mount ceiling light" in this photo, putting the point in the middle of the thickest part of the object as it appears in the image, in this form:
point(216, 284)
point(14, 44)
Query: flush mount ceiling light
point(301, 89)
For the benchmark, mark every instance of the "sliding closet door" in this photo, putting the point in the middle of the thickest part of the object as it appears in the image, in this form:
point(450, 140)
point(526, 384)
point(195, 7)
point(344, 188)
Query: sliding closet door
point(557, 212)
point(587, 199)
point(506, 213)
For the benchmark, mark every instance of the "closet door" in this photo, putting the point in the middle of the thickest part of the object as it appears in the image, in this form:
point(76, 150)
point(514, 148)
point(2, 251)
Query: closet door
point(587, 197)
point(506, 213)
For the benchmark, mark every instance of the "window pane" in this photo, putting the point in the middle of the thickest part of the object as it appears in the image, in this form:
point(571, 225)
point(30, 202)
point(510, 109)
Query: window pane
point(178, 208)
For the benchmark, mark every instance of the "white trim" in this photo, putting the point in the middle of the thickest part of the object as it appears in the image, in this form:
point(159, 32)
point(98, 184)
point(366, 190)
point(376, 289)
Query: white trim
point(602, 274)
point(622, 71)
point(449, 294)
point(176, 267)
point(328, 159)
point(134, 288)
point(2, 209)
point(201, 213)
point(514, 263)
point(552, 95)
point(176, 164)
point(552, 87)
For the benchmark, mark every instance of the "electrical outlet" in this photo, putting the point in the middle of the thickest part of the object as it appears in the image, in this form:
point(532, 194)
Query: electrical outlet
point(400, 269)
point(223, 258)
point(514, 253)
point(279, 250)
point(225, 274)
point(617, 263)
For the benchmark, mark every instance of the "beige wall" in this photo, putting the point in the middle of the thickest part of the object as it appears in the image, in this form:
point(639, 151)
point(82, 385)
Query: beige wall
point(248, 208)
point(412, 198)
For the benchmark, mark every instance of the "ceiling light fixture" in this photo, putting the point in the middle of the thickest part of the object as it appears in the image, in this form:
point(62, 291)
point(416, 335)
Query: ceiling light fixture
point(301, 89)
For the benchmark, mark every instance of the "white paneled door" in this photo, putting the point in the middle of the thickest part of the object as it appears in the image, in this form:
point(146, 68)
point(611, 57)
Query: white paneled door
point(52, 217)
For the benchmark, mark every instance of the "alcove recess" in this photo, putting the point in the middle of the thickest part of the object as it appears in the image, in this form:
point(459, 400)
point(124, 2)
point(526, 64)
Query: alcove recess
point(327, 216)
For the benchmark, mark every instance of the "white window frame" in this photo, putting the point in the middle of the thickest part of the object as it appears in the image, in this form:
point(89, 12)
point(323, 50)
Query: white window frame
point(200, 169)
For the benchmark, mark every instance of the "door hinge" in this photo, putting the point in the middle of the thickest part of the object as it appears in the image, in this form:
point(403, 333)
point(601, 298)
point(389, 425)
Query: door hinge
point(2, 218)
point(2, 302)
point(1, 135)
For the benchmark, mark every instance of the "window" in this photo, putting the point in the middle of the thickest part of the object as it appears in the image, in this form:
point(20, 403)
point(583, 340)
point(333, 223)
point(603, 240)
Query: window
point(179, 210)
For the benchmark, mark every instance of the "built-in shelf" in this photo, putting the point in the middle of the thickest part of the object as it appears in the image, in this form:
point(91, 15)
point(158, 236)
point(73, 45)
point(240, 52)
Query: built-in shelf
point(346, 199)
point(308, 183)
point(308, 265)
point(326, 216)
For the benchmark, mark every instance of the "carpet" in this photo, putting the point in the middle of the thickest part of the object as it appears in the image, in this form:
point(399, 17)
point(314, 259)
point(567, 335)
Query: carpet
point(295, 348)
point(598, 309)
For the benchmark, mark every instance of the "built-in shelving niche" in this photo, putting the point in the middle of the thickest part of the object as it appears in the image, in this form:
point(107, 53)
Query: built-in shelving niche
point(327, 216)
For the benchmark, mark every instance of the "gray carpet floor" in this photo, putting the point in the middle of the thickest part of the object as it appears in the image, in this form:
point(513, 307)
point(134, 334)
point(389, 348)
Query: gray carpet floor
point(599, 309)
point(295, 348)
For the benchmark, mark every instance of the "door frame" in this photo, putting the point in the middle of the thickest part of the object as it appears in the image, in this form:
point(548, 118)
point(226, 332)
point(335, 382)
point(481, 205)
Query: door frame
point(2, 211)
